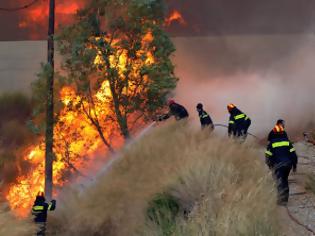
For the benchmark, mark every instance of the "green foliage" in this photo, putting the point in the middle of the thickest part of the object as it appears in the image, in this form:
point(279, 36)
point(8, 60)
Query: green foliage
point(39, 89)
point(14, 133)
point(15, 106)
point(162, 211)
point(39, 98)
point(114, 31)
point(16, 110)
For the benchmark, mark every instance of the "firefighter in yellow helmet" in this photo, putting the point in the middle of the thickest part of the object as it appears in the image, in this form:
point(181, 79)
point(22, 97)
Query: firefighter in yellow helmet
point(39, 211)
point(278, 131)
point(281, 158)
point(239, 122)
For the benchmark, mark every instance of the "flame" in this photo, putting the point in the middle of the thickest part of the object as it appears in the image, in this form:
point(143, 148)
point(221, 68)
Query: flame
point(175, 16)
point(37, 16)
point(76, 140)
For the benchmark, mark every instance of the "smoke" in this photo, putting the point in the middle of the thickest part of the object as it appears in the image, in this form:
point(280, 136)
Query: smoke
point(9, 225)
point(267, 76)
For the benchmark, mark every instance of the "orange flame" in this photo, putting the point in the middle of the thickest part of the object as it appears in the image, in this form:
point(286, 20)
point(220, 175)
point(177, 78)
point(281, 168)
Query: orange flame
point(175, 16)
point(37, 16)
point(74, 137)
point(76, 140)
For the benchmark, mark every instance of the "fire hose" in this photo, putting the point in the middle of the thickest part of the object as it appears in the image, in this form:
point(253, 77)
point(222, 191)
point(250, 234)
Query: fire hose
point(288, 211)
point(298, 222)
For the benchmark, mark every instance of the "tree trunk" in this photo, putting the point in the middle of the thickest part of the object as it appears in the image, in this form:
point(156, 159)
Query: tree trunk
point(49, 155)
point(100, 132)
point(94, 120)
point(122, 120)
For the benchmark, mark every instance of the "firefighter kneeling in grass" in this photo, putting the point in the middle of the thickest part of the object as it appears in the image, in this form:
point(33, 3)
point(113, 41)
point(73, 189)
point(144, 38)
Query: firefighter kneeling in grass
point(39, 210)
point(281, 158)
point(239, 122)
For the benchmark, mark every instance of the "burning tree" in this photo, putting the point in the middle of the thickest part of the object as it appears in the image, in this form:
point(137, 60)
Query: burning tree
point(118, 74)
point(118, 61)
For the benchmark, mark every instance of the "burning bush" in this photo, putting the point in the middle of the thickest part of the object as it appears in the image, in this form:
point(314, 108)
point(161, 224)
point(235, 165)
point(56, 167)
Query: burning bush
point(213, 186)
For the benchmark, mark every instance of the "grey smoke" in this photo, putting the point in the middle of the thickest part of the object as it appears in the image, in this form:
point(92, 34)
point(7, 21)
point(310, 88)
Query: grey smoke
point(267, 76)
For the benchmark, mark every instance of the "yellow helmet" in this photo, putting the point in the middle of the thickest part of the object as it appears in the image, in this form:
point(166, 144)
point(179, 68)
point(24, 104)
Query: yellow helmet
point(230, 106)
point(40, 194)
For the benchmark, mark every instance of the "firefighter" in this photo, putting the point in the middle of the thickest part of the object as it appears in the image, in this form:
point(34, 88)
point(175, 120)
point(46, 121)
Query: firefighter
point(39, 210)
point(238, 122)
point(205, 119)
point(281, 158)
point(278, 131)
point(176, 110)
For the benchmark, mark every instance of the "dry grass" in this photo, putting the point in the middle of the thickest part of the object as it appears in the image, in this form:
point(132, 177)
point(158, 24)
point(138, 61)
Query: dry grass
point(222, 186)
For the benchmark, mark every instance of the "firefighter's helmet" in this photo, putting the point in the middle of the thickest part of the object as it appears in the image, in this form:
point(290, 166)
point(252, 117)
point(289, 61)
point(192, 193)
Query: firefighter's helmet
point(40, 194)
point(230, 106)
point(199, 106)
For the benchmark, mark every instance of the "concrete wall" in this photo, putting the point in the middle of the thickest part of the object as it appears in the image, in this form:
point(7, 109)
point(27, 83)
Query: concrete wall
point(19, 64)
point(200, 57)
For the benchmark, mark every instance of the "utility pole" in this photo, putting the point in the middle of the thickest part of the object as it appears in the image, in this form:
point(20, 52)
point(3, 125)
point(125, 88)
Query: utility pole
point(49, 155)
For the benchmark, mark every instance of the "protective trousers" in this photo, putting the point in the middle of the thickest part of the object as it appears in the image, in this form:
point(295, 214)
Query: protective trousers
point(41, 229)
point(281, 174)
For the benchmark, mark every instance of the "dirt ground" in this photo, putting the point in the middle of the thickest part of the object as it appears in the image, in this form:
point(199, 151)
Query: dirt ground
point(302, 202)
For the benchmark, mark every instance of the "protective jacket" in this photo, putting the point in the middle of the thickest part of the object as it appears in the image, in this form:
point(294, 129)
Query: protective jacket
point(205, 119)
point(238, 122)
point(40, 209)
point(176, 110)
point(280, 152)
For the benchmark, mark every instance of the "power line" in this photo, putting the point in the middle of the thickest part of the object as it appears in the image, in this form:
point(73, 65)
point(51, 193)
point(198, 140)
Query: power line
point(20, 7)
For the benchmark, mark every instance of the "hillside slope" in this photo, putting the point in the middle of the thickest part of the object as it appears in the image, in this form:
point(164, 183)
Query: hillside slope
point(219, 186)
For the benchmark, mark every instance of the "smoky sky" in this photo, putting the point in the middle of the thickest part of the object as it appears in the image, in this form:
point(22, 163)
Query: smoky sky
point(203, 17)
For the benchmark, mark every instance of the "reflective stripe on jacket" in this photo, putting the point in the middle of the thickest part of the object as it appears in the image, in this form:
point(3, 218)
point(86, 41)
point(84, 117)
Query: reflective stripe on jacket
point(238, 121)
point(39, 210)
point(280, 152)
point(205, 119)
